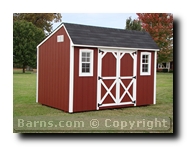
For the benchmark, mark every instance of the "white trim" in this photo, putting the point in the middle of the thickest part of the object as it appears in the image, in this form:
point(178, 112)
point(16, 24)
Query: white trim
point(122, 48)
point(99, 65)
point(37, 74)
point(81, 74)
point(108, 78)
point(134, 74)
point(149, 64)
point(126, 90)
point(114, 104)
point(118, 68)
point(108, 91)
point(117, 80)
point(154, 96)
point(71, 78)
point(103, 54)
point(128, 77)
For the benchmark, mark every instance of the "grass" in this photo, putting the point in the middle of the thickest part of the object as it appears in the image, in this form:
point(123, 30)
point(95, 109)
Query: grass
point(24, 105)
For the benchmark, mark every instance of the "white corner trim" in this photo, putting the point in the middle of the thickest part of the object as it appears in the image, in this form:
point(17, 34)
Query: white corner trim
point(154, 92)
point(71, 78)
point(37, 74)
point(149, 64)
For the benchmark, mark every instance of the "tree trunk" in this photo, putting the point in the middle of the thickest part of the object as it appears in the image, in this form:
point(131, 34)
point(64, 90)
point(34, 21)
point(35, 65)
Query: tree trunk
point(23, 68)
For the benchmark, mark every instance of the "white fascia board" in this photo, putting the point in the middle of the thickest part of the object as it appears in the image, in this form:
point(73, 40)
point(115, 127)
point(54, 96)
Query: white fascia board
point(122, 48)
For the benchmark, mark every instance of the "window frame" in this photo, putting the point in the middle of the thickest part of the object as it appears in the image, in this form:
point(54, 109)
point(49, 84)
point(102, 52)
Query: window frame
point(86, 74)
point(149, 64)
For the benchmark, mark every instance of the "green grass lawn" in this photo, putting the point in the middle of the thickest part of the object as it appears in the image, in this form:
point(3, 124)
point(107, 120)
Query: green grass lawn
point(24, 105)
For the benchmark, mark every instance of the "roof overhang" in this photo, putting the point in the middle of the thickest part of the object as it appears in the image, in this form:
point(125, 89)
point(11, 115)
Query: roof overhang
point(121, 48)
point(94, 46)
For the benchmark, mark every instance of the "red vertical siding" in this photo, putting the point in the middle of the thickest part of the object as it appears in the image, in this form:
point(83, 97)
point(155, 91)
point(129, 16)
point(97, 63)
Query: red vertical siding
point(126, 66)
point(53, 82)
point(85, 88)
point(145, 84)
point(108, 65)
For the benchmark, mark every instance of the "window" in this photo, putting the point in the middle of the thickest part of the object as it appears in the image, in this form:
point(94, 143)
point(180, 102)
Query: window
point(85, 62)
point(145, 67)
point(60, 38)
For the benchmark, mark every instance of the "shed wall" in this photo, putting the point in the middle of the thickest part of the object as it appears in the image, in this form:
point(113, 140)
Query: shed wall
point(85, 88)
point(53, 70)
point(145, 83)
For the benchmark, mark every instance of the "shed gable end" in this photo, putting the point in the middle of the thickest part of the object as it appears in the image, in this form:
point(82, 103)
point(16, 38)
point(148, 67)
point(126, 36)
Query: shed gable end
point(53, 71)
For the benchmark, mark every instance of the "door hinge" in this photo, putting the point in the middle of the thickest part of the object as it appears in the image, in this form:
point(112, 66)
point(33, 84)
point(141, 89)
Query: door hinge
point(134, 77)
point(99, 105)
point(99, 78)
point(100, 51)
point(134, 101)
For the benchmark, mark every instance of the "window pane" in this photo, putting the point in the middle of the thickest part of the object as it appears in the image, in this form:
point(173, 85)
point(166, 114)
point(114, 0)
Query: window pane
point(145, 61)
point(88, 65)
point(83, 59)
point(144, 67)
point(83, 54)
point(83, 70)
point(87, 69)
point(88, 59)
point(88, 54)
point(83, 65)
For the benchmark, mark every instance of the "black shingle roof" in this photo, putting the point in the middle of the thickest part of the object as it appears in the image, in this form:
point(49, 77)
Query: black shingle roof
point(100, 36)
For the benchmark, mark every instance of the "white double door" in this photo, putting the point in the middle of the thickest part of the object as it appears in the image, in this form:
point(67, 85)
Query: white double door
point(116, 78)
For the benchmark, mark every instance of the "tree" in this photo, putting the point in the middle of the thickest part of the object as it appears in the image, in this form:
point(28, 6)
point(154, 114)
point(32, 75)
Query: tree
point(40, 20)
point(160, 27)
point(26, 37)
point(133, 24)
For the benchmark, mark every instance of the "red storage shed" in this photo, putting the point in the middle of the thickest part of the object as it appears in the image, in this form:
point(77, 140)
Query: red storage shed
point(83, 68)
